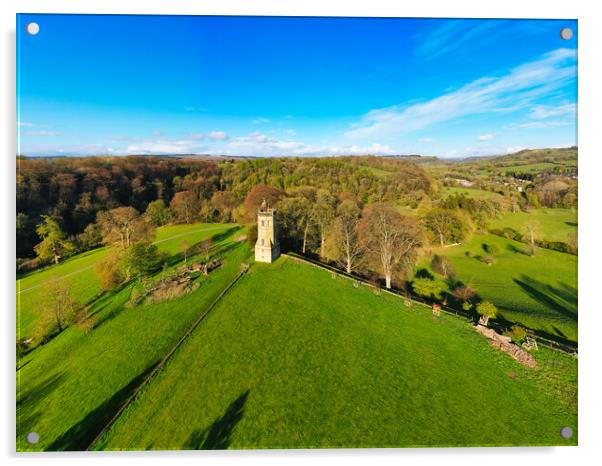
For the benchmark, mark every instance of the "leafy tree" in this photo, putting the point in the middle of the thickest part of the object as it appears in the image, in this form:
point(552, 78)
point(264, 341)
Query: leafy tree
point(487, 310)
point(296, 222)
point(224, 202)
point(54, 244)
point(90, 238)
point(257, 195)
point(185, 207)
point(390, 239)
point(142, 259)
point(157, 213)
point(124, 226)
point(110, 271)
point(428, 288)
point(447, 225)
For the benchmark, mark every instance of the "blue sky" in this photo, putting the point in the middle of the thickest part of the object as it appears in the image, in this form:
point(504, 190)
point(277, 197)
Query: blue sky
point(95, 85)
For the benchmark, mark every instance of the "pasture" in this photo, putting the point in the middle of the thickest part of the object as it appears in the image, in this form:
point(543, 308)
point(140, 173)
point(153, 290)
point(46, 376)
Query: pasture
point(539, 292)
point(292, 358)
point(79, 271)
point(69, 388)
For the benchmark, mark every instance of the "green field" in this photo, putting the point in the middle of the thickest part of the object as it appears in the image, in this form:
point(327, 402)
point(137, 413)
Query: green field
point(79, 270)
point(292, 358)
point(556, 224)
point(469, 192)
point(68, 388)
point(539, 292)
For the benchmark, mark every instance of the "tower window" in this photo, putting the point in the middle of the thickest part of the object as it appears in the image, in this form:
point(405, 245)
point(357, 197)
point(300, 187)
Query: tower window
point(262, 223)
point(262, 242)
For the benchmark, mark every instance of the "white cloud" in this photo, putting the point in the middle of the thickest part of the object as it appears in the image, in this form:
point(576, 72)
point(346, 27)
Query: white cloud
point(197, 136)
point(27, 124)
point(426, 140)
point(546, 111)
point(485, 137)
point(41, 133)
point(525, 83)
point(260, 120)
point(157, 133)
point(537, 124)
point(218, 135)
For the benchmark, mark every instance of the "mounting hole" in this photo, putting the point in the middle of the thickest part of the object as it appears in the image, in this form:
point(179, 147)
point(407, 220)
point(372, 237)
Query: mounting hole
point(33, 438)
point(566, 33)
point(32, 28)
point(566, 432)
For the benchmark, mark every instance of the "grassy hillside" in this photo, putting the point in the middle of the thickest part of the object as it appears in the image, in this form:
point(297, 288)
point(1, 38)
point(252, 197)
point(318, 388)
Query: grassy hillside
point(79, 270)
point(556, 224)
point(70, 387)
point(292, 358)
point(539, 292)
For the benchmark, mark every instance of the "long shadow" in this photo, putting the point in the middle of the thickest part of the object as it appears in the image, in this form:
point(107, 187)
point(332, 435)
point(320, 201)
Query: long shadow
point(514, 249)
point(563, 301)
point(81, 435)
point(29, 399)
point(218, 435)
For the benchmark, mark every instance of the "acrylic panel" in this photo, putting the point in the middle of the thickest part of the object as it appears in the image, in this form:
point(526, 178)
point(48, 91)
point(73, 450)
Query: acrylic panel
point(295, 232)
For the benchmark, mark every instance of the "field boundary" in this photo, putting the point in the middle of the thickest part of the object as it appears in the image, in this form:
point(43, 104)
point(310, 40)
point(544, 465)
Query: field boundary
point(166, 358)
point(564, 347)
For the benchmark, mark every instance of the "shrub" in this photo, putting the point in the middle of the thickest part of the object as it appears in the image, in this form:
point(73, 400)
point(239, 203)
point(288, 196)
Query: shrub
point(491, 248)
point(485, 259)
point(518, 334)
point(426, 288)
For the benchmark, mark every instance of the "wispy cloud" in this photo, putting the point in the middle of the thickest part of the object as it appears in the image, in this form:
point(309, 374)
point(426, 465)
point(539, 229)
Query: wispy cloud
point(485, 137)
point(218, 135)
point(452, 35)
point(41, 133)
point(426, 140)
point(525, 83)
point(546, 111)
point(260, 120)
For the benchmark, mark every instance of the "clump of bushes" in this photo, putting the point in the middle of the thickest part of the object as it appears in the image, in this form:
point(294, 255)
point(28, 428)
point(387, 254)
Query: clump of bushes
point(491, 248)
point(485, 259)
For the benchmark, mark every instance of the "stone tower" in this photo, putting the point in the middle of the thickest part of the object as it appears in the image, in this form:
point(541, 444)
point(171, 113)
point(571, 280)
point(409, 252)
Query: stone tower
point(267, 247)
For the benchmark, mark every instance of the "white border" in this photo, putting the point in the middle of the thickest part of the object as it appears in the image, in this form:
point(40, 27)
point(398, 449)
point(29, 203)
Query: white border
point(590, 168)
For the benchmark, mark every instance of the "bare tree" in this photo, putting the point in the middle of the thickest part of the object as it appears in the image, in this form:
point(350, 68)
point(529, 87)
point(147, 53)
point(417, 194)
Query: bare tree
point(59, 308)
point(532, 231)
point(323, 214)
point(344, 242)
point(391, 238)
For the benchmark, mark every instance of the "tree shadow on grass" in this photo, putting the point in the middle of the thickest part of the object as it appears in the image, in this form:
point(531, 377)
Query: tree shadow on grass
point(562, 300)
point(29, 399)
point(515, 250)
point(219, 434)
point(80, 436)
